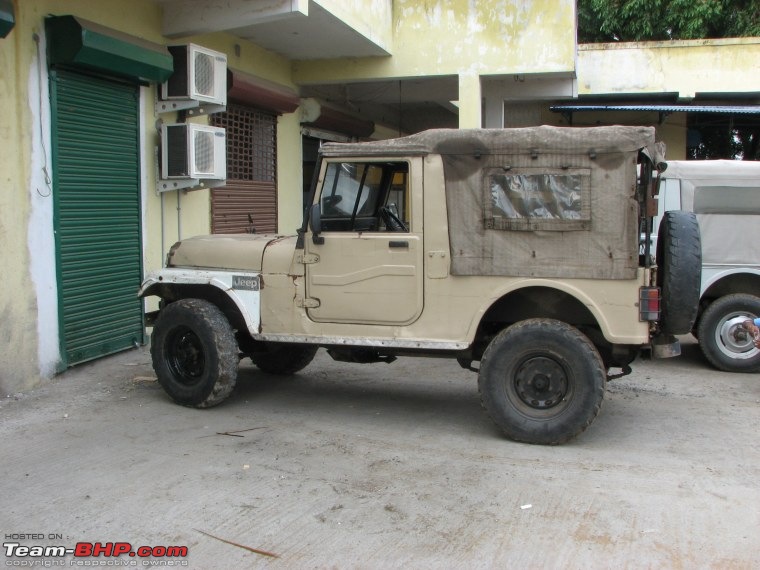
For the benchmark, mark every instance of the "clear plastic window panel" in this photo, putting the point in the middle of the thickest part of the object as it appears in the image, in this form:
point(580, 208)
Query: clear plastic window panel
point(533, 199)
point(541, 196)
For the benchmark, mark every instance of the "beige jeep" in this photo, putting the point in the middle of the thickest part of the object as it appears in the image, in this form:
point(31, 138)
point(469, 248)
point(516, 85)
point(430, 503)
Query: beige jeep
point(517, 249)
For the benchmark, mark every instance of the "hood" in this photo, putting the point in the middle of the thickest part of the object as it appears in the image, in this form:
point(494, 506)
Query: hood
point(233, 251)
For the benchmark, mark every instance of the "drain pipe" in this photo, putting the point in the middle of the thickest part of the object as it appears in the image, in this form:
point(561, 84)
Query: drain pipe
point(163, 231)
point(157, 159)
point(179, 215)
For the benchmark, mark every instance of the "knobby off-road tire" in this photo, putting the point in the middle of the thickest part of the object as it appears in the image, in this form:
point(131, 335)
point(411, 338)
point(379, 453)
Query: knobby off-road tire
point(284, 359)
point(195, 354)
point(722, 339)
point(542, 381)
point(679, 271)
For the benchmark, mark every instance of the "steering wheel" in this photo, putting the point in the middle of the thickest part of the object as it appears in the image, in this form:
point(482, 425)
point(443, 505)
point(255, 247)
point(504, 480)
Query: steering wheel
point(392, 222)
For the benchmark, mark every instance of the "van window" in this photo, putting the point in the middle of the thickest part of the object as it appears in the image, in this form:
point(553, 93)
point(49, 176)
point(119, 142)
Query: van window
point(726, 200)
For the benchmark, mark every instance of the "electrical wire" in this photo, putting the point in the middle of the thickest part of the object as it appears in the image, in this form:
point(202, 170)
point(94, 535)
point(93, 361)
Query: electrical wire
point(40, 62)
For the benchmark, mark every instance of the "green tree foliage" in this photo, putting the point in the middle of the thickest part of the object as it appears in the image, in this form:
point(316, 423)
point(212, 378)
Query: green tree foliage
point(652, 20)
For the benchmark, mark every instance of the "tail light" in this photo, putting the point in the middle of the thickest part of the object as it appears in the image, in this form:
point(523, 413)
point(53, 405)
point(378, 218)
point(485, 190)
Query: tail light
point(649, 303)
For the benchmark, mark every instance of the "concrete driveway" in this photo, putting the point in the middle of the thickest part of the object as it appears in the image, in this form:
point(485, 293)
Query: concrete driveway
point(380, 466)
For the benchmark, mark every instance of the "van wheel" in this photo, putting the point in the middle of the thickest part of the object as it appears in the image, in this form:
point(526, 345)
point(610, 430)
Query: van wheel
point(284, 359)
point(724, 342)
point(195, 354)
point(679, 270)
point(541, 381)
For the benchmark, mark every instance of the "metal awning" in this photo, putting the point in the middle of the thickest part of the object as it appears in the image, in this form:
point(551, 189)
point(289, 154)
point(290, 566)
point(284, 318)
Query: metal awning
point(663, 110)
point(78, 42)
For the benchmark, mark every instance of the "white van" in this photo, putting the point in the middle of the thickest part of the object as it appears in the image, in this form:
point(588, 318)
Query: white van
point(725, 196)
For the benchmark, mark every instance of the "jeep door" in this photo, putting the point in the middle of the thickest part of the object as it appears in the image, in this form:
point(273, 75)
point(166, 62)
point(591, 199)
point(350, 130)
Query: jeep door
point(365, 266)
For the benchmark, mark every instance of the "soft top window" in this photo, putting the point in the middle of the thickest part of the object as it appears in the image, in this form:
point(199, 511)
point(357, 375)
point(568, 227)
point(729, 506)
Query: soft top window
point(537, 199)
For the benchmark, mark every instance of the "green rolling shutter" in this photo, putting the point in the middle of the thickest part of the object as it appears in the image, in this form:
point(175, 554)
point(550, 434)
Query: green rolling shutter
point(97, 214)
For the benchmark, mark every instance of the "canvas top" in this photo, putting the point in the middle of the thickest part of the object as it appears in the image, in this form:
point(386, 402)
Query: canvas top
point(542, 139)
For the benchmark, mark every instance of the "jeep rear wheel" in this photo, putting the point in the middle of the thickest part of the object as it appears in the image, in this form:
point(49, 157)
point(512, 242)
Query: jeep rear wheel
point(541, 381)
point(284, 359)
point(679, 270)
point(194, 353)
point(723, 340)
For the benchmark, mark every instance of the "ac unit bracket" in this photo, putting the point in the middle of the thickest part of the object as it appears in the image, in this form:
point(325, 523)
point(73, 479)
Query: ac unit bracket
point(187, 184)
point(191, 106)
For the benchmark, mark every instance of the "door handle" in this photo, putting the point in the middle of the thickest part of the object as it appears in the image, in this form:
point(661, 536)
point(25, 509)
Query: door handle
point(401, 243)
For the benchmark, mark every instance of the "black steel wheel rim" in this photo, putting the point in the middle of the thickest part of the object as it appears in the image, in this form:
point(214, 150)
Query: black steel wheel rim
point(541, 383)
point(185, 356)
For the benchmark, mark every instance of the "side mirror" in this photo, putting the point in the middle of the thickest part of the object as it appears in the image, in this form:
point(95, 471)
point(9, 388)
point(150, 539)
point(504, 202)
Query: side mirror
point(316, 225)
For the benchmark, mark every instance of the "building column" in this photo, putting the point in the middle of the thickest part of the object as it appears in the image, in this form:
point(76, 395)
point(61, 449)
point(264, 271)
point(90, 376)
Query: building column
point(493, 96)
point(470, 101)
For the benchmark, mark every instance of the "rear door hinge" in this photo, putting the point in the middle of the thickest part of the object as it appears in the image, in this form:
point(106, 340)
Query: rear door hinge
point(307, 258)
point(307, 303)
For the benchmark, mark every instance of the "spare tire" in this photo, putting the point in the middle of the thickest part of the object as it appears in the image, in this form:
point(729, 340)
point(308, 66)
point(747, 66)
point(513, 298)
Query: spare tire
point(679, 271)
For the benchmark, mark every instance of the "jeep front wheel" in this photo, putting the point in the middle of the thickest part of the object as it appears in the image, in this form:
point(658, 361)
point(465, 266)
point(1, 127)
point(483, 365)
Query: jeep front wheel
point(195, 354)
point(541, 381)
point(722, 338)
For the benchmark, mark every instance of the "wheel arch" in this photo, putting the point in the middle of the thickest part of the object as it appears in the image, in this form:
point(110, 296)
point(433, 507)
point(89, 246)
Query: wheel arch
point(538, 299)
point(729, 281)
point(217, 293)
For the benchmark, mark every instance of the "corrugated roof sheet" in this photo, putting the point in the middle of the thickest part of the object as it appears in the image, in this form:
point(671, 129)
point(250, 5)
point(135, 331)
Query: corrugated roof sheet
point(734, 109)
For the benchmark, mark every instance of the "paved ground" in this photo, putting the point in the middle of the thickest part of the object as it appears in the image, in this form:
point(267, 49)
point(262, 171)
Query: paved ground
point(378, 466)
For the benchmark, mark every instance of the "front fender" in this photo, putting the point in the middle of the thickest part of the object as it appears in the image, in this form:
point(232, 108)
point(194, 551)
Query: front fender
point(242, 288)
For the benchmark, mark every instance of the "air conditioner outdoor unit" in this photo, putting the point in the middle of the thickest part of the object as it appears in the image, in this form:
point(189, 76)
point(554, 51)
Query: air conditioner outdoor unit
point(193, 153)
point(199, 80)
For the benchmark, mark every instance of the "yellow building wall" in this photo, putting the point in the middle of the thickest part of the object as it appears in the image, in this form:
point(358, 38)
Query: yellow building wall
point(685, 67)
point(371, 18)
point(464, 38)
point(444, 37)
point(18, 312)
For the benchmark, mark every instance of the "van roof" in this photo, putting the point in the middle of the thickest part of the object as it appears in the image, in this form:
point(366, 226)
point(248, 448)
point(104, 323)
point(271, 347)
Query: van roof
point(712, 169)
